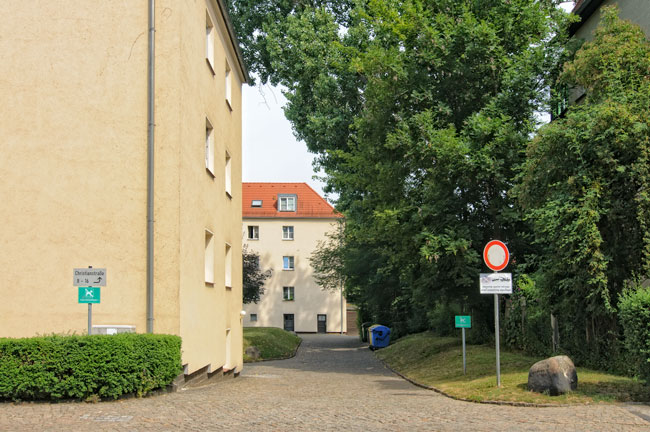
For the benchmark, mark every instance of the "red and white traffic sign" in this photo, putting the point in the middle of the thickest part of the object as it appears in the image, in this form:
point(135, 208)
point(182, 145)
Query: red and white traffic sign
point(496, 255)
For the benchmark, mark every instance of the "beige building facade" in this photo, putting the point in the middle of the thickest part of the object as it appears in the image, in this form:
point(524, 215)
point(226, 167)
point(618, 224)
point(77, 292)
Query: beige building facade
point(74, 142)
point(283, 223)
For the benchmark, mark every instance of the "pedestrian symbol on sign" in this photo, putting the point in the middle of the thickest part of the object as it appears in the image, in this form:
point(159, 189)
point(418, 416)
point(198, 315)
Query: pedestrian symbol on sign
point(89, 295)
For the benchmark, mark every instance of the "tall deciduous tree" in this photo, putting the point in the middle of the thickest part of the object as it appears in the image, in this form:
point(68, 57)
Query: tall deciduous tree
point(585, 186)
point(419, 112)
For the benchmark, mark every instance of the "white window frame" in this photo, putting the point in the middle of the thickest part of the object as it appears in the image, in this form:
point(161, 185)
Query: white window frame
point(288, 263)
point(255, 231)
point(228, 173)
point(228, 85)
point(228, 266)
point(209, 41)
point(253, 317)
point(287, 232)
point(288, 293)
point(209, 258)
point(256, 203)
point(287, 203)
point(209, 147)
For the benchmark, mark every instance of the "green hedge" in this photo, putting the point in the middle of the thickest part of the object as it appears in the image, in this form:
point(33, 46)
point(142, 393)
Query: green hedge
point(634, 313)
point(79, 367)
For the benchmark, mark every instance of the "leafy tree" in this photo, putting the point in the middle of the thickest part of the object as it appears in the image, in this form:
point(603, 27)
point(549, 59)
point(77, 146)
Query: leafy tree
point(327, 260)
point(254, 277)
point(419, 112)
point(585, 188)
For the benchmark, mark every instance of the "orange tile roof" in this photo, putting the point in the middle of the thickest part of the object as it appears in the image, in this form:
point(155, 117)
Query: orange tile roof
point(309, 203)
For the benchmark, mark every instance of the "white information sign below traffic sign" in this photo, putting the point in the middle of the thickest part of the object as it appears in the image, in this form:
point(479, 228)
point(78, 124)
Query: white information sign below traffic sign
point(89, 277)
point(496, 283)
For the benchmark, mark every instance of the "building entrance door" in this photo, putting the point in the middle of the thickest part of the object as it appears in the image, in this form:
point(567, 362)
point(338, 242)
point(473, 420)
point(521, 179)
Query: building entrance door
point(288, 322)
point(322, 323)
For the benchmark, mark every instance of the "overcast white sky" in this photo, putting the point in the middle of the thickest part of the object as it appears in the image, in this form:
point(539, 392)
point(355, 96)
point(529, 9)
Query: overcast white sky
point(270, 151)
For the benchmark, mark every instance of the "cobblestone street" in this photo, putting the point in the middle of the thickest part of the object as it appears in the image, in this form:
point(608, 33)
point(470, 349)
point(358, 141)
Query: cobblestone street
point(334, 383)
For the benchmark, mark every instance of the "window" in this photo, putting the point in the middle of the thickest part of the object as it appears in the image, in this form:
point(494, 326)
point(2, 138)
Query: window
point(256, 203)
point(288, 322)
point(228, 175)
point(209, 147)
point(253, 317)
point(287, 293)
point(209, 41)
point(253, 232)
point(287, 233)
point(228, 266)
point(287, 263)
point(228, 85)
point(209, 258)
point(287, 203)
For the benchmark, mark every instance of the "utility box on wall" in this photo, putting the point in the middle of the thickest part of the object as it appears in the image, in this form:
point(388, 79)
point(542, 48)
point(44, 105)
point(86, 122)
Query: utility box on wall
point(111, 329)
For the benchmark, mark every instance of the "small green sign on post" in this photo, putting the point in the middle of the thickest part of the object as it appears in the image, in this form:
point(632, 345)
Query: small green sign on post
point(463, 321)
point(89, 295)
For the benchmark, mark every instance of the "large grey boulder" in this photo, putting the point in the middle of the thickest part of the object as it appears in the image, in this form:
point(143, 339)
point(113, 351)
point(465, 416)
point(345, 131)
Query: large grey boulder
point(252, 352)
point(555, 375)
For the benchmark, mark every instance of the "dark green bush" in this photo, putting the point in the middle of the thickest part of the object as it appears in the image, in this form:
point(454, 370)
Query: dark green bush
point(78, 367)
point(634, 315)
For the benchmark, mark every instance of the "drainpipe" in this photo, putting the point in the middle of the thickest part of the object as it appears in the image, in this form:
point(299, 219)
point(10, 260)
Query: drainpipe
point(341, 283)
point(150, 148)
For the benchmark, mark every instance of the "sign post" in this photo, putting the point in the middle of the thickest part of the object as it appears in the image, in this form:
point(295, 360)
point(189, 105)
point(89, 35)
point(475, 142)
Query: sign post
point(88, 280)
point(463, 322)
point(496, 257)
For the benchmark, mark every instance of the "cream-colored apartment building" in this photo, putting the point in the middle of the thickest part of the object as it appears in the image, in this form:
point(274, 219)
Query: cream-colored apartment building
point(283, 223)
point(90, 91)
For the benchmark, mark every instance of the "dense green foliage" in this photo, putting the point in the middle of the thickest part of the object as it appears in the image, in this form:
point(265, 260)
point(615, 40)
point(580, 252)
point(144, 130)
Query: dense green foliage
point(78, 367)
point(273, 343)
point(584, 186)
point(253, 276)
point(419, 112)
point(423, 117)
point(634, 310)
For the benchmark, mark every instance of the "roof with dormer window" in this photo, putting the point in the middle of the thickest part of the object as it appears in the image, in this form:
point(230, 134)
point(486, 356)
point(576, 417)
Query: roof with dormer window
point(308, 203)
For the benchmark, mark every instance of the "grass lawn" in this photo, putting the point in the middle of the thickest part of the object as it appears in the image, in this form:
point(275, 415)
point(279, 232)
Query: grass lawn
point(273, 343)
point(438, 362)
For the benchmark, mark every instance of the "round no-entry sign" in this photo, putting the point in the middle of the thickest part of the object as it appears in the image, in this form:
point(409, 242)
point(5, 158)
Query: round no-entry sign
point(496, 255)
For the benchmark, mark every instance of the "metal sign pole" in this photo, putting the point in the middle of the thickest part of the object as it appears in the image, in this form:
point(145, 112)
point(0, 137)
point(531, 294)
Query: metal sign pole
point(496, 336)
point(90, 314)
point(464, 362)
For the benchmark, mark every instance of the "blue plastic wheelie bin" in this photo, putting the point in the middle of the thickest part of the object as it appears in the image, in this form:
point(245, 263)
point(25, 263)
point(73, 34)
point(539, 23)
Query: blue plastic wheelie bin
point(379, 336)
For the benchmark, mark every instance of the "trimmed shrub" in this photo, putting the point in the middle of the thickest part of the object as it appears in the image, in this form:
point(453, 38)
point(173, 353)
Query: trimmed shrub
point(634, 314)
point(78, 367)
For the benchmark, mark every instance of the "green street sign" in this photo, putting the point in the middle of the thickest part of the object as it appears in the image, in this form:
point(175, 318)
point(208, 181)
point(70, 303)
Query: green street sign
point(463, 321)
point(89, 295)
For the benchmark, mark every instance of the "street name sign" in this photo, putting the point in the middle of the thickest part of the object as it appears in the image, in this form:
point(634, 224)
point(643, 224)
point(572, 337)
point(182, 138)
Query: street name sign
point(94, 277)
point(496, 283)
point(463, 321)
point(496, 255)
point(89, 295)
